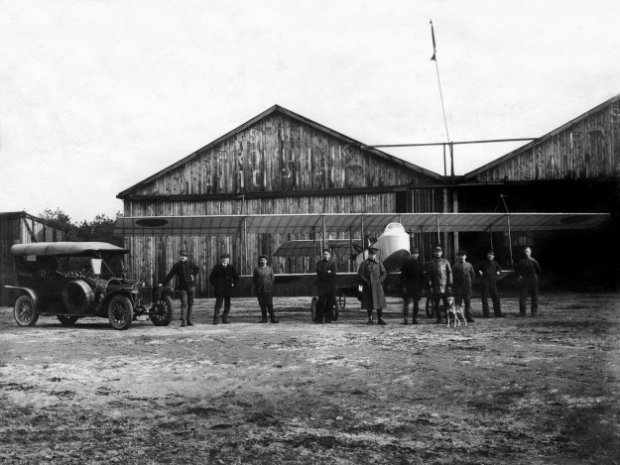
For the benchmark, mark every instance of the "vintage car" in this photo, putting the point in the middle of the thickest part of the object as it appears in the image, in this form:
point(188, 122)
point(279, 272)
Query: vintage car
point(72, 280)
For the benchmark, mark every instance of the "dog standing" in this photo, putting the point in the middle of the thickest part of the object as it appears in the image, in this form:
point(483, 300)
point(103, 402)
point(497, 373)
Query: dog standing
point(455, 313)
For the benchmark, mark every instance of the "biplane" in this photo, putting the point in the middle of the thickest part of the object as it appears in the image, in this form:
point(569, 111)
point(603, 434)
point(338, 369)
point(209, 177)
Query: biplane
point(394, 243)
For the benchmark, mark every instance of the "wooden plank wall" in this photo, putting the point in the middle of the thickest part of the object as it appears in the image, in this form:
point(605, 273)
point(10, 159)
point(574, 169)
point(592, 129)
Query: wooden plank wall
point(9, 235)
point(280, 154)
point(586, 150)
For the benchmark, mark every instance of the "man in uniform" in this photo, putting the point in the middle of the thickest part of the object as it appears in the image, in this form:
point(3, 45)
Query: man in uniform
point(528, 274)
point(412, 281)
point(490, 271)
point(224, 279)
point(464, 276)
point(439, 281)
point(326, 288)
point(372, 273)
point(185, 273)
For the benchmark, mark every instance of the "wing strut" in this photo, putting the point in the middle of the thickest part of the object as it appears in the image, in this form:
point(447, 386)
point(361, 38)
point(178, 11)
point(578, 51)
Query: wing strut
point(323, 223)
point(245, 266)
point(501, 196)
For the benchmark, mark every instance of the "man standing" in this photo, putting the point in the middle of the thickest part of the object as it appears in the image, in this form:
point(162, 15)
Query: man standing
point(224, 279)
point(326, 288)
point(412, 281)
point(490, 271)
point(464, 276)
point(439, 281)
point(528, 274)
point(263, 284)
point(372, 274)
point(184, 273)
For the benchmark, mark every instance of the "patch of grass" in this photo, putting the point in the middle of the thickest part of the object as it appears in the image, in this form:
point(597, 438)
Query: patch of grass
point(591, 431)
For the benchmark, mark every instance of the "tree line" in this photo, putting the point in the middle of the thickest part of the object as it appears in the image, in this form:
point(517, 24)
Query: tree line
point(100, 229)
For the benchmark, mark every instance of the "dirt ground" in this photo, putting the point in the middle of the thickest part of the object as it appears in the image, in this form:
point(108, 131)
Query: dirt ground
point(514, 390)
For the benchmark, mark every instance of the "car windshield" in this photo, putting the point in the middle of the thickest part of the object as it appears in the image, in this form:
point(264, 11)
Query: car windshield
point(112, 266)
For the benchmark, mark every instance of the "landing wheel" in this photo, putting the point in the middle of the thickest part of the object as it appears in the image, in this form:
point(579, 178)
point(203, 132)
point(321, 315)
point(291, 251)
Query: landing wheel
point(120, 312)
point(430, 311)
point(313, 305)
point(25, 311)
point(341, 302)
point(67, 320)
point(161, 312)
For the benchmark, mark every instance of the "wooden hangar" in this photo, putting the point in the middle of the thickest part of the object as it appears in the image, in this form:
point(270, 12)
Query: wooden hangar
point(282, 163)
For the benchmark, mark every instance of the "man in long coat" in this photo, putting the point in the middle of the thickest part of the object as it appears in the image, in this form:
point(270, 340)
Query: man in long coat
point(326, 288)
point(224, 279)
point(413, 282)
point(439, 281)
point(372, 273)
point(464, 276)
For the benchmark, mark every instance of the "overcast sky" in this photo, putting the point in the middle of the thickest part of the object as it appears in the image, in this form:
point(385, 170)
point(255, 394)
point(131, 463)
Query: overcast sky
point(96, 95)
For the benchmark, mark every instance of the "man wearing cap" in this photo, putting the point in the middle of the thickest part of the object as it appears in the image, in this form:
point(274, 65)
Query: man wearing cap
point(326, 288)
point(263, 284)
point(528, 273)
point(490, 271)
point(372, 273)
point(224, 279)
point(184, 273)
point(464, 276)
point(439, 281)
point(412, 281)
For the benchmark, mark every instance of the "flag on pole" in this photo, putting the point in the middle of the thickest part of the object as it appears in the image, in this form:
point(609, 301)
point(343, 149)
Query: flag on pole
point(434, 57)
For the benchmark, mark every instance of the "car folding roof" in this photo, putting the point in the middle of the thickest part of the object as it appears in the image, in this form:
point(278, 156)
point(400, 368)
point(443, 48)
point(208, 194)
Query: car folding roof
point(64, 248)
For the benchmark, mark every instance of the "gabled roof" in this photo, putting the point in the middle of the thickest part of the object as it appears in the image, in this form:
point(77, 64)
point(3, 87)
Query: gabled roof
point(540, 140)
point(294, 116)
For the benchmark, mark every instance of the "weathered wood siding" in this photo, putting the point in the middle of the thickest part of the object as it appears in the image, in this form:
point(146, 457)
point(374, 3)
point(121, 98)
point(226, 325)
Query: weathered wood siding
point(279, 154)
point(587, 148)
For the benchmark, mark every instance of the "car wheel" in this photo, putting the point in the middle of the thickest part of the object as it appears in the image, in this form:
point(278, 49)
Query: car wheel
point(120, 312)
point(67, 320)
point(161, 312)
point(313, 304)
point(25, 311)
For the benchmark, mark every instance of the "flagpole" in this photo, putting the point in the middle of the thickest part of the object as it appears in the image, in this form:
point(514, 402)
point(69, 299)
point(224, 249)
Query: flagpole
point(443, 106)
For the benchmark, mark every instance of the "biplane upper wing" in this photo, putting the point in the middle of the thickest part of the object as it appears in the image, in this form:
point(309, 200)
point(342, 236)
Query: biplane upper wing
point(339, 222)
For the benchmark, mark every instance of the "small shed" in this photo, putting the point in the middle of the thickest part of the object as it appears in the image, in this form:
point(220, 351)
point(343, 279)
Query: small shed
point(22, 228)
